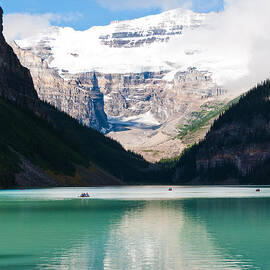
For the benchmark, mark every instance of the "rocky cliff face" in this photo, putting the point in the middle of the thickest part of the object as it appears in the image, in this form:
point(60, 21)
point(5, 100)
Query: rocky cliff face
point(144, 109)
point(15, 81)
point(82, 102)
point(135, 94)
point(243, 157)
point(149, 90)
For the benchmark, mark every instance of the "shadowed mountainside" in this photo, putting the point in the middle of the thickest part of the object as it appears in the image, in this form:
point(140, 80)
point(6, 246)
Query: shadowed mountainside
point(236, 150)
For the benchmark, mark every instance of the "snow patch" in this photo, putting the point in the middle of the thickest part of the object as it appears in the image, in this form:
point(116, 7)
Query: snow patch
point(169, 77)
point(107, 97)
point(146, 118)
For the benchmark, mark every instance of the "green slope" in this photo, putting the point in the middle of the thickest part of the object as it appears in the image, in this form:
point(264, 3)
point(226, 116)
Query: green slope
point(203, 118)
point(237, 147)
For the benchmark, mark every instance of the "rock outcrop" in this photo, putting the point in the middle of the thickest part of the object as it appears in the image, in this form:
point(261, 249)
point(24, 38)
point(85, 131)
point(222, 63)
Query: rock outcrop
point(134, 94)
point(82, 102)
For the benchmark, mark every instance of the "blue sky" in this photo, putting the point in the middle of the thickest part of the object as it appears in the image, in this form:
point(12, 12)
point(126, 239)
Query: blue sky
point(83, 14)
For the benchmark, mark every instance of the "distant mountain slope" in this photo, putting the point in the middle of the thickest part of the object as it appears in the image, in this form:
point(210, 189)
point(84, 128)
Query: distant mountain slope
point(237, 147)
point(40, 146)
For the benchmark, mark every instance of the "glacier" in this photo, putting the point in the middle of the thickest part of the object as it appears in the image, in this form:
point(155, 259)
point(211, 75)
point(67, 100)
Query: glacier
point(170, 41)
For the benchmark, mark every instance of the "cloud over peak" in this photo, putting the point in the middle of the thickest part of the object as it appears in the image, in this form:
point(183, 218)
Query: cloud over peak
point(23, 25)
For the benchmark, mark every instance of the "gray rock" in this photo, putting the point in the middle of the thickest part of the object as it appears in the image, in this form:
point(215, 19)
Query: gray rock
point(81, 101)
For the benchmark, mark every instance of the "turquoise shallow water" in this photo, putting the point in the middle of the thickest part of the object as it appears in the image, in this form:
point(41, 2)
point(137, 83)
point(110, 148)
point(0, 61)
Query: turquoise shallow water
point(135, 228)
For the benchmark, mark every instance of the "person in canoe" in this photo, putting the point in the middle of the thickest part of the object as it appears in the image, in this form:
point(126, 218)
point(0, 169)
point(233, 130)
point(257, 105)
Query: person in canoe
point(85, 195)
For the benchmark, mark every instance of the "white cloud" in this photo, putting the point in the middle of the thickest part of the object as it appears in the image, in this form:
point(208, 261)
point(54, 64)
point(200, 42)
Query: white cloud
point(235, 44)
point(240, 35)
point(23, 25)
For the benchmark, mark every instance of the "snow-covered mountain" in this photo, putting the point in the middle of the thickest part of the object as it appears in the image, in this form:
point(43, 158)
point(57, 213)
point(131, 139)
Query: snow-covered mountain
point(171, 41)
point(154, 73)
point(126, 46)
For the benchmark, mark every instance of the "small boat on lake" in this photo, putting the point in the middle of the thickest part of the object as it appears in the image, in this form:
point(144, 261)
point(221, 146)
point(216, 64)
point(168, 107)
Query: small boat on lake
point(258, 190)
point(170, 189)
point(85, 195)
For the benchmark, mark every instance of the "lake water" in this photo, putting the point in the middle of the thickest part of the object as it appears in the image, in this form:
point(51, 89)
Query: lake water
point(135, 228)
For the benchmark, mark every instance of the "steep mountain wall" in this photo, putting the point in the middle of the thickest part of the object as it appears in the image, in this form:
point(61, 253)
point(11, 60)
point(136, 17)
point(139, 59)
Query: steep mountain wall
point(144, 109)
point(83, 103)
point(151, 29)
point(134, 94)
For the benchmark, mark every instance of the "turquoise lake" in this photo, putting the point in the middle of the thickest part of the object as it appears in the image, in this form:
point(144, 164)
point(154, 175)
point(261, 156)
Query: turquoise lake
point(135, 228)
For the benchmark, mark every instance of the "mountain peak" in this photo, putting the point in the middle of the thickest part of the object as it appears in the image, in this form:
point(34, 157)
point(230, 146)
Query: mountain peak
point(137, 39)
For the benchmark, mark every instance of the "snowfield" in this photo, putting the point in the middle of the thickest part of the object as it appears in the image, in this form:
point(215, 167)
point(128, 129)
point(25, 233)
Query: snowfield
point(182, 39)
